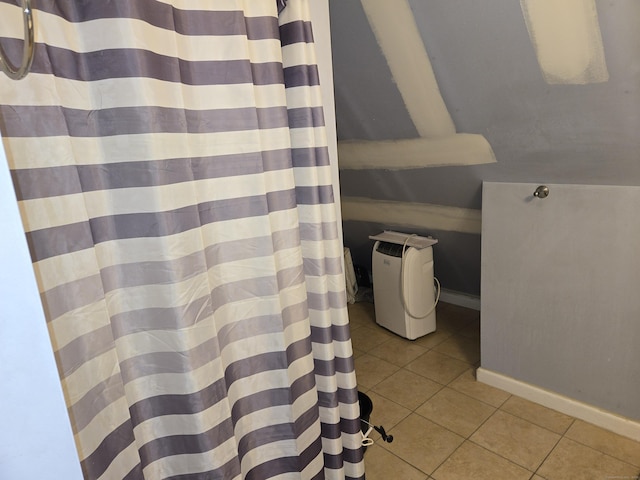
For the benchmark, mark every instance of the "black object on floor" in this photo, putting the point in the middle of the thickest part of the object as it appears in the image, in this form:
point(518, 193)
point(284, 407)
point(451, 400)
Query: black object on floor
point(366, 408)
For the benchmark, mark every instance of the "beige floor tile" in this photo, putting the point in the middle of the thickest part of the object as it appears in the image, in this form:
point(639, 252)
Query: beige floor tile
point(572, 461)
point(372, 370)
point(362, 314)
point(407, 389)
point(516, 439)
point(607, 442)
point(471, 331)
point(354, 326)
point(511, 443)
point(473, 462)
point(422, 443)
point(438, 367)
point(434, 338)
point(358, 353)
point(467, 384)
point(398, 351)
point(366, 338)
point(462, 348)
point(456, 318)
point(385, 413)
point(380, 464)
point(542, 416)
point(455, 411)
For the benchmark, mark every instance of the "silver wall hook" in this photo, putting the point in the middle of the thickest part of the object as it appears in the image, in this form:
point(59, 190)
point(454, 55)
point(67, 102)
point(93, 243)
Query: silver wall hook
point(541, 192)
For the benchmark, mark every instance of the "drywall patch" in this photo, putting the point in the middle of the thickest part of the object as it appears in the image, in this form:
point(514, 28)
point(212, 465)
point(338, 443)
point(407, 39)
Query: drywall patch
point(397, 34)
point(395, 29)
point(405, 214)
point(459, 149)
point(566, 37)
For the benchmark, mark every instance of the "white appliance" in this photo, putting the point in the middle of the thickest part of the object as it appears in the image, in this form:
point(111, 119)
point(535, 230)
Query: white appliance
point(403, 290)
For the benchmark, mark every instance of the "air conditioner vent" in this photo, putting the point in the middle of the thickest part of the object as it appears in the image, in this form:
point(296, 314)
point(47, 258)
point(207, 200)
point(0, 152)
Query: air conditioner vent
point(391, 249)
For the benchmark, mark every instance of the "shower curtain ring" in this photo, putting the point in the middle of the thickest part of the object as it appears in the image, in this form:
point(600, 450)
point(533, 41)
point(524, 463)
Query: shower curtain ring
point(27, 51)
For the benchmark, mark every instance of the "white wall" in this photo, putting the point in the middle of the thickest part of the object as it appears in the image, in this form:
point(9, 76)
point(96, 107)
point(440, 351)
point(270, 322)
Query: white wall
point(319, 10)
point(35, 435)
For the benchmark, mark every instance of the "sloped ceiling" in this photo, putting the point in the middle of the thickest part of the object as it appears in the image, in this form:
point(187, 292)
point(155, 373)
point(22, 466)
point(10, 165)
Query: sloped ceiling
point(491, 82)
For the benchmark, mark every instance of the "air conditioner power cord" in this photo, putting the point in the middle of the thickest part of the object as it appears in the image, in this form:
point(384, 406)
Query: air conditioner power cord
point(402, 294)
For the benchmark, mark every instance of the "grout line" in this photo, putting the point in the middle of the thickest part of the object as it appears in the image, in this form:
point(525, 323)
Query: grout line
point(501, 456)
point(474, 398)
point(551, 451)
point(464, 439)
point(402, 460)
point(603, 453)
point(480, 426)
point(452, 454)
point(529, 421)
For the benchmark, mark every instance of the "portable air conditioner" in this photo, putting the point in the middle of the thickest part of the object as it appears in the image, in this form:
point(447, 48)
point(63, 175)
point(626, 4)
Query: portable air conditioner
point(400, 309)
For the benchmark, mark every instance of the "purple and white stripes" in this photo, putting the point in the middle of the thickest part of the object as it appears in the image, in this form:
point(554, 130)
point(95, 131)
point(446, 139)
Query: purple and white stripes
point(172, 173)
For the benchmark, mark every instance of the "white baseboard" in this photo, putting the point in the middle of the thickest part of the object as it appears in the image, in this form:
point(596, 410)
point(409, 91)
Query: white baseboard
point(460, 299)
point(601, 418)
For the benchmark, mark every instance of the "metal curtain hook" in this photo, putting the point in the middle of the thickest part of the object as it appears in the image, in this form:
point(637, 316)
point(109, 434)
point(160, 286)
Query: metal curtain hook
point(27, 51)
point(541, 192)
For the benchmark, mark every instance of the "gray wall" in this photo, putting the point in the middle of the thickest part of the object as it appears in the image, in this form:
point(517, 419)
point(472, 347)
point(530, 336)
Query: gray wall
point(492, 85)
point(560, 303)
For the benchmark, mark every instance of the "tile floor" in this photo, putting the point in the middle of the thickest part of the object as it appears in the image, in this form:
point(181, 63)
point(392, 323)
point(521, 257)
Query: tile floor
point(447, 426)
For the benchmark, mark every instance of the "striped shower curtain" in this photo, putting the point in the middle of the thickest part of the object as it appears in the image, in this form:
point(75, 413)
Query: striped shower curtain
point(172, 173)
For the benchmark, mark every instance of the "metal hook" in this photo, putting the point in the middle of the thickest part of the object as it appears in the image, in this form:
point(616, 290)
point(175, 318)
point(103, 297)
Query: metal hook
point(27, 51)
point(541, 192)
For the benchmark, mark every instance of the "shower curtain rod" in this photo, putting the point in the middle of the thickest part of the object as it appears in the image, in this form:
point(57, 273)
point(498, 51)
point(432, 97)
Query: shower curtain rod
point(27, 51)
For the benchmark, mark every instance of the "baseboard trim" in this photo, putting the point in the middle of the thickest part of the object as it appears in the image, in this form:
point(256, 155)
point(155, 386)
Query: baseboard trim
point(460, 299)
point(601, 418)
